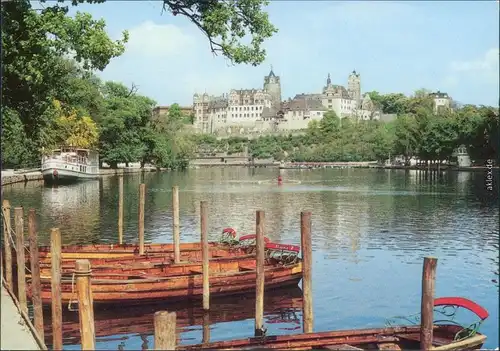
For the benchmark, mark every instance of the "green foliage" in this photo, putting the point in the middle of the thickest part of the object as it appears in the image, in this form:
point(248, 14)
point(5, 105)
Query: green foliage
point(36, 69)
point(49, 56)
point(226, 23)
point(418, 132)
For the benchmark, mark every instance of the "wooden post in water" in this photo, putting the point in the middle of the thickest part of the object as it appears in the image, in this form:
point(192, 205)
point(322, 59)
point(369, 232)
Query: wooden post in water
point(85, 304)
point(36, 297)
point(206, 328)
point(259, 267)
point(427, 304)
point(306, 243)
point(20, 258)
point(7, 230)
point(142, 200)
point(205, 255)
point(165, 336)
point(175, 221)
point(55, 280)
point(120, 210)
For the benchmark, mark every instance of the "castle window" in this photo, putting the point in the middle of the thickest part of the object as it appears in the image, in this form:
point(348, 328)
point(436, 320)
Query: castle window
point(330, 101)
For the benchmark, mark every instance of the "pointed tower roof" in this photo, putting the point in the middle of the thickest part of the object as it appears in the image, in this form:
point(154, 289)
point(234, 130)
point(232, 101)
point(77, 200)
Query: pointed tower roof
point(271, 73)
point(328, 80)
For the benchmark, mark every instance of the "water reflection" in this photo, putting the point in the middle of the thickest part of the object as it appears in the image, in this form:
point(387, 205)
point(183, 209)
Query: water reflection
point(73, 209)
point(371, 229)
point(134, 325)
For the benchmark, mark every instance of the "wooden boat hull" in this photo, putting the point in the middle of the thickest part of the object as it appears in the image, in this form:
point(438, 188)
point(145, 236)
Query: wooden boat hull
point(153, 264)
point(395, 338)
point(109, 251)
point(165, 268)
point(233, 278)
point(280, 306)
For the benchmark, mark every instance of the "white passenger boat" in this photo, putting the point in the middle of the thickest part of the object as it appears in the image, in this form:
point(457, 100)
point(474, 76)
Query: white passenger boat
point(70, 164)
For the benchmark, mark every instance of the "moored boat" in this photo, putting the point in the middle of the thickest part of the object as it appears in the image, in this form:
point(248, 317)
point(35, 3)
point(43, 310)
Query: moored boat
point(164, 263)
point(448, 335)
point(68, 164)
point(226, 242)
point(226, 278)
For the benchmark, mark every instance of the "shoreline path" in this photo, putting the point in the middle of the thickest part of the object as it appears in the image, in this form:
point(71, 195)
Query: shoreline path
point(15, 334)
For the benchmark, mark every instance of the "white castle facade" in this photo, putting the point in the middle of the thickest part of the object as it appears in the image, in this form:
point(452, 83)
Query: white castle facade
point(260, 110)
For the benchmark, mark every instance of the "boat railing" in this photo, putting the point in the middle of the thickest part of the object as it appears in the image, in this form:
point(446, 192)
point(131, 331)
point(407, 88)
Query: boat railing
point(71, 160)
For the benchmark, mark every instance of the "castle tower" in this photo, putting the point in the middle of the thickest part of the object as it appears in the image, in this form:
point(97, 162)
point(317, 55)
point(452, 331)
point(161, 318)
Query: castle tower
point(272, 86)
point(354, 87)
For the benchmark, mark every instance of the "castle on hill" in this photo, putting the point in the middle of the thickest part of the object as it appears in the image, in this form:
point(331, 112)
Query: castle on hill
point(263, 110)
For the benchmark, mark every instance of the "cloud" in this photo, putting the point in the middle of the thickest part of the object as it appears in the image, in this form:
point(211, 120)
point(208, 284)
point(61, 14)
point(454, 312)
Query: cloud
point(159, 40)
point(488, 63)
point(482, 70)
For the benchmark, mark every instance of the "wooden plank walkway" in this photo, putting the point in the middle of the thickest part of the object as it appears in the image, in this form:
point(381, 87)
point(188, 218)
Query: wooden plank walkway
point(15, 334)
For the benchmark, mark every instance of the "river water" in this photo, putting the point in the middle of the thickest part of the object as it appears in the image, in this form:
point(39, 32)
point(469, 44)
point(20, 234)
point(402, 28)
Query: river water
point(371, 231)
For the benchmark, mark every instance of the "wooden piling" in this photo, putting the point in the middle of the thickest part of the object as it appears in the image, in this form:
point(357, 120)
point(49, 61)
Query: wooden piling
point(35, 275)
point(259, 284)
point(205, 254)
point(176, 224)
point(142, 201)
point(165, 333)
point(55, 282)
point(427, 304)
point(7, 230)
point(120, 210)
point(85, 304)
point(206, 328)
point(20, 258)
point(306, 243)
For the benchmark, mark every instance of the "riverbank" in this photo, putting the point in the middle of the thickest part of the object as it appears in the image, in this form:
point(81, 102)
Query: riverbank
point(15, 334)
point(13, 178)
point(373, 164)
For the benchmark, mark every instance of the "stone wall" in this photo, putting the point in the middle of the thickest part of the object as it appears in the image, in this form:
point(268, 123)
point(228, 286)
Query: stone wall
point(37, 176)
point(21, 178)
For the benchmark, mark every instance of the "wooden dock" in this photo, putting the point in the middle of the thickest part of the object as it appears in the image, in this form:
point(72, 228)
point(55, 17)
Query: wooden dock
point(16, 334)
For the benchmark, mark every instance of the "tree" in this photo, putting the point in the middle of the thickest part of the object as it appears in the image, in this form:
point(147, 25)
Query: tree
point(330, 125)
point(226, 23)
point(125, 126)
point(73, 130)
point(382, 142)
point(407, 136)
point(35, 50)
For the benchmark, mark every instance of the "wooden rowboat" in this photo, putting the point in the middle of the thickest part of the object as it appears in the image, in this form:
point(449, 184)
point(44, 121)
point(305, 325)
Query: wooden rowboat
point(281, 306)
point(448, 335)
point(396, 338)
point(226, 278)
point(165, 266)
point(227, 245)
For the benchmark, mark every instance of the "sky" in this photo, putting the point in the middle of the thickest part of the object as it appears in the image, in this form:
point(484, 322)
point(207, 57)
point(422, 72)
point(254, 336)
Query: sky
point(395, 46)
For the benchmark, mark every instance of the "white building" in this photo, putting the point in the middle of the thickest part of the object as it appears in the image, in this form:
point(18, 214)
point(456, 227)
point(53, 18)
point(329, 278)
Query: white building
point(261, 110)
point(243, 107)
point(442, 101)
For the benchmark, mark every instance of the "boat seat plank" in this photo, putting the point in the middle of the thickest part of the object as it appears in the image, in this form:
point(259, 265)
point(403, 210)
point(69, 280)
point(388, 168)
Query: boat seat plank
point(389, 346)
point(341, 347)
point(436, 340)
point(247, 266)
